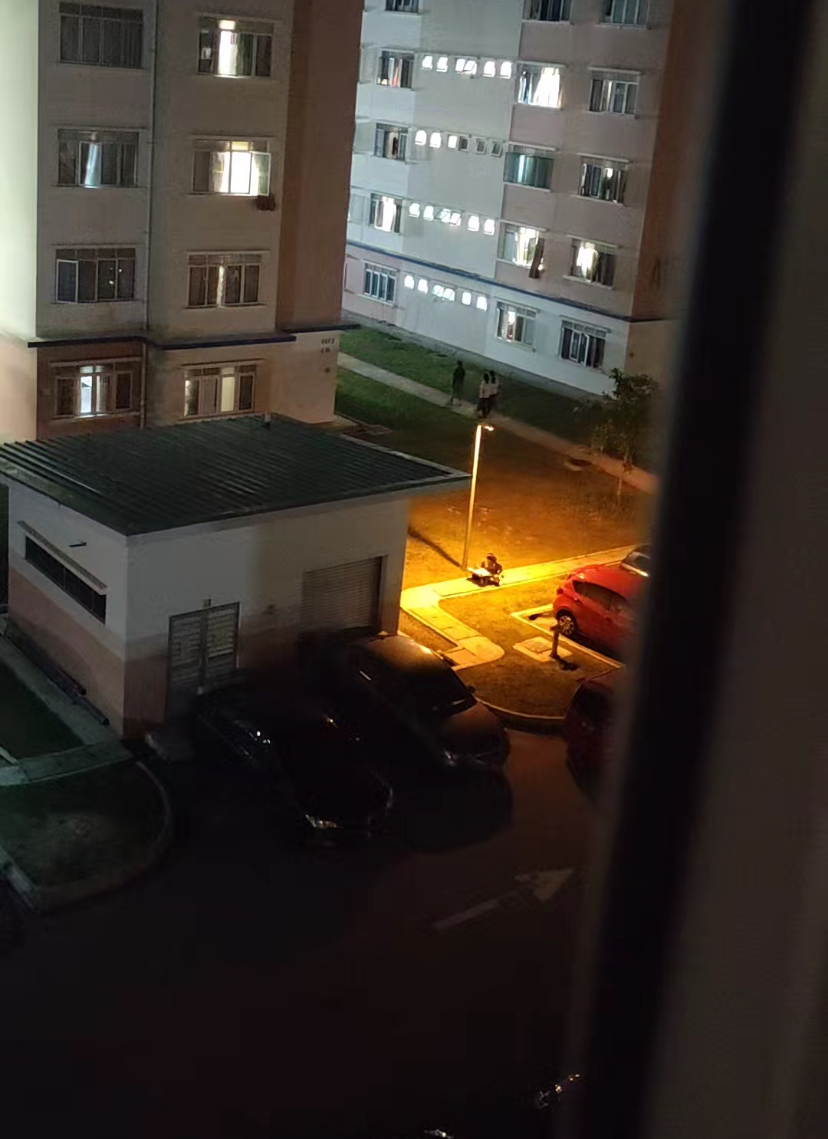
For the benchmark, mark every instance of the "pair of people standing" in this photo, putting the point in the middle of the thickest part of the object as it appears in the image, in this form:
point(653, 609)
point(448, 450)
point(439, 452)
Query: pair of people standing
point(487, 394)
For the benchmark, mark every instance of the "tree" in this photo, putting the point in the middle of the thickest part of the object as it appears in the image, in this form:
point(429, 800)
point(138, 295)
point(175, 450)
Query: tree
point(622, 418)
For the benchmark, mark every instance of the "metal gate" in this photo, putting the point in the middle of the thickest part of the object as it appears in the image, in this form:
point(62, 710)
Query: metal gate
point(202, 649)
point(342, 597)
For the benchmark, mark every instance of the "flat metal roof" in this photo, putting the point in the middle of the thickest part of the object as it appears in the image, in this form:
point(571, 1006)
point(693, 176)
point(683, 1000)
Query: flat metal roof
point(162, 478)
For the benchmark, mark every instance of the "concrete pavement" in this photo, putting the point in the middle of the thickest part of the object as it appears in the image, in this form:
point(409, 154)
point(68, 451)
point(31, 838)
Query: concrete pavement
point(635, 477)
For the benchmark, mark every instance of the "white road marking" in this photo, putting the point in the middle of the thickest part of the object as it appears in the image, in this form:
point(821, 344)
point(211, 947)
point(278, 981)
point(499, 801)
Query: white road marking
point(544, 885)
point(467, 915)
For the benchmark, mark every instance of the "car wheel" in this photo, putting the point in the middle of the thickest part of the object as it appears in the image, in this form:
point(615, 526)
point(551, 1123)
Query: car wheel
point(567, 624)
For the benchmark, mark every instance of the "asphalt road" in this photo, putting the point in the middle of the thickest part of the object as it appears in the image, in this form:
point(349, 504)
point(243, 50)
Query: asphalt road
point(246, 990)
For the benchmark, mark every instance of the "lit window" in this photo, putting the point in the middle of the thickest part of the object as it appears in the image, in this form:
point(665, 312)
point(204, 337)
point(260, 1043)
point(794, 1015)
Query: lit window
point(219, 280)
point(474, 222)
point(460, 64)
point(385, 213)
point(471, 67)
point(456, 217)
point(490, 69)
point(219, 390)
point(390, 142)
point(451, 142)
point(414, 209)
point(481, 303)
point(395, 69)
point(232, 167)
point(408, 281)
point(436, 140)
point(234, 47)
point(422, 285)
point(97, 389)
point(421, 138)
point(427, 63)
point(465, 297)
point(515, 324)
point(442, 63)
point(379, 283)
point(517, 244)
point(445, 215)
point(582, 344)
point(428, 213)
point(437, 290)
point(506, 69)
point(539, 86)
point(593, 263)
point(448, 294)
point(489, 226)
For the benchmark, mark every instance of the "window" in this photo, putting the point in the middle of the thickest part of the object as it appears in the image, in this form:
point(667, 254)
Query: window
point(614, 94)
point(443, 292)
point(489, 226)
point(414, 209)
point(95, 275)
point(465, 297)
point(427, 62)
point(435, 140)
point(525, 167)
point(428, 213)
point(506, 69)
point(219, 389)
point(632, 13)
point(97, 389)
point(515, 324)
point(385, 213)
point(490, 69)
point(395, 69)
point(451, 142)
point(593, 263)
point(421, 138)
point(101, 37)
point(465, 66)
point(234, 48)
point(442, 63)
point(402, 5)
point(422, 285)
point(474, 222)
point(582, 344)
point(231, 167)
point(539, 86)
point(97, 158)
point(603, 180)
point(551, 10)
point(497, 150)
point(480, 145)
point(517, 244)
point(223, 279)
point(445, 214)
point(408, 281)
point(481, 303)
point(380, 283)
point(64, 578)
point(390, 142)
point(463, 143)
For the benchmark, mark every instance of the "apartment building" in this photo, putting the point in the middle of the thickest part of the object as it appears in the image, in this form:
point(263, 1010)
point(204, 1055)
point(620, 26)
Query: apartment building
point(512, 187)
point(173, 207)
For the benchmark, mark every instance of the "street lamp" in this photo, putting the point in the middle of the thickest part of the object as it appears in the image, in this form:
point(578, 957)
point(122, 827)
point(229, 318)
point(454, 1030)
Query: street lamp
point(478, 435)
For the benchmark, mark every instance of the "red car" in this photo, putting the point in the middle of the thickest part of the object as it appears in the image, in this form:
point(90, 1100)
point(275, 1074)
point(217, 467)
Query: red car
point(587, 726)
point(598, 603)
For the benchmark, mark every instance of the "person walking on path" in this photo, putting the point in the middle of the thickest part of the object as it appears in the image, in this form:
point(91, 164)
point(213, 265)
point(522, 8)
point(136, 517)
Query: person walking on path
point(494, 392)
point(458, 378)
point(483, 396)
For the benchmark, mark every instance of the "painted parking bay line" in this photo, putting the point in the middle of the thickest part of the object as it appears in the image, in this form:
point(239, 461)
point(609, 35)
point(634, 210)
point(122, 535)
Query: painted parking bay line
point(467, 915)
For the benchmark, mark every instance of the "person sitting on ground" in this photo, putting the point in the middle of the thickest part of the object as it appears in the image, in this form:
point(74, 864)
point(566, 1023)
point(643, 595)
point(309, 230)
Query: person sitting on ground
point(458, 377)
point(493, 568)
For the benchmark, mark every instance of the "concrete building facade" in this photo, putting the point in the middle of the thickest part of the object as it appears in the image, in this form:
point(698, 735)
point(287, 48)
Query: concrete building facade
point(508, 156)
point(165, 176)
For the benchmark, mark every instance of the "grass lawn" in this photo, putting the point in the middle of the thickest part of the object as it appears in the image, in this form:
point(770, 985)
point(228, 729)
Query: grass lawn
point(530, 506)
point(63, 830)
point(515, 681)
point(530, 403)
point(27, 727)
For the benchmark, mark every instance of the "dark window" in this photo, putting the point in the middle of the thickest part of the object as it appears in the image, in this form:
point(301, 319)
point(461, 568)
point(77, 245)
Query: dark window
point(402, 5)
point(123, 391)
point(551, 10)
point(235, 48)
point(94, 275)
point(101, 36)
point(582, 344)
point(629, 12)
point(527, 168)
point(603, 180)
point(390, 142)
point(596, 593)
point(395, 70)
point(65, 579)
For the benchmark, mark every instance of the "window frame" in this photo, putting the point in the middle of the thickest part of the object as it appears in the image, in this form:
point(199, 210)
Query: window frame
point(528, 80)
point(106, 376)
point(385, 131)
point(209, 28)
point(386, 280)
point(599, 180)
point(261, 166)
point(525, 321)
point(84, 18)
point(604, 265)
point(534, 9)
point(209, 385)
point(76, 139)
point(212, 270)
point(119, 255)
point(641, 10)
point(546, 158)
point(397, 67)
point(512, 231)
point(403, 7)
point(611, 83)
point(377, 207)
point(592, 338)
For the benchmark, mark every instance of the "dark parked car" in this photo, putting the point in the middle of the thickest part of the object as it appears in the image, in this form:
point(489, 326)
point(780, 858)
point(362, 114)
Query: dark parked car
point(638, 561)
point(587, 725)
point(408, 700)
point(299, 756)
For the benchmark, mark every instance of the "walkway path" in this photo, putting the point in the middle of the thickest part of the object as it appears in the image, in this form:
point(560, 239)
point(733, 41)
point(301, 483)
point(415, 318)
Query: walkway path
point(422, 602)
point(641, 480)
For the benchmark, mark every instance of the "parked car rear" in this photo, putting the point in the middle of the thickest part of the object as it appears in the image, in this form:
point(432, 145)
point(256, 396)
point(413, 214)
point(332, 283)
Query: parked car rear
point(598, 603)
point(409, 701)
point(638, 560)
point(587, 726)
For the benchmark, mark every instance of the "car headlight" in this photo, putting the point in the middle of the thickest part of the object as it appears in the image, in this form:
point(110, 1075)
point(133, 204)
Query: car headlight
point(322, 824)
point(450, 758)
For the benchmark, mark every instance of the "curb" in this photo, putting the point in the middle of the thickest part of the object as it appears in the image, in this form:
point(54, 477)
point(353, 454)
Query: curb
point(540, 725)
point(44, 898)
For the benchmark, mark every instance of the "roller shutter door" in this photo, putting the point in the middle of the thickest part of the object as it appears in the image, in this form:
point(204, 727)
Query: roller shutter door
point(342, 597)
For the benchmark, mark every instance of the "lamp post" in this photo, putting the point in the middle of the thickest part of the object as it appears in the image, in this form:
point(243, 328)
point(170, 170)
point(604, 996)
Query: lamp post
point(478, 436)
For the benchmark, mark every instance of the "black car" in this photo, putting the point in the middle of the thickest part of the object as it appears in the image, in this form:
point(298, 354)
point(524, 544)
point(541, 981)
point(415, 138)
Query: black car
point(299, 757)
point(638, 561)
point(409, 699)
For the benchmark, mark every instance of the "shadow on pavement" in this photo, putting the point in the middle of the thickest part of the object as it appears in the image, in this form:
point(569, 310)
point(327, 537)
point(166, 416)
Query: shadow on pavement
point(432, 545)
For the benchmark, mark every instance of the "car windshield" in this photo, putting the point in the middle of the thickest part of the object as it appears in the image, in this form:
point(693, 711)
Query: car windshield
point(317, 754)
point(441, 693)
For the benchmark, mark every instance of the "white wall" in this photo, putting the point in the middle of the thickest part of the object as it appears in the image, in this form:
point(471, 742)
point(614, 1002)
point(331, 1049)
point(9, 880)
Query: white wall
point(257, 562)
point(18, 391)
point(103, 554)
point(18, 171)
